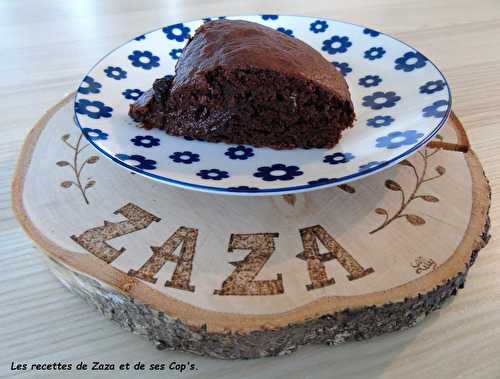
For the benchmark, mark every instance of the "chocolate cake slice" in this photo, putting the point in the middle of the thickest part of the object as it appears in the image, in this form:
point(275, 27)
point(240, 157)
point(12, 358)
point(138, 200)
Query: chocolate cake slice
point(244, 83)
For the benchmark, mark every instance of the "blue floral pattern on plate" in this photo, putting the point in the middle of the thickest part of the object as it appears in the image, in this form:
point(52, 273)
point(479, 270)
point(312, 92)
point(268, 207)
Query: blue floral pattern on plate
point(89, 85)
point(132, 94)
point(243, 189)
point(277, 171)
point(270, 17)
point(371, 32)
point(94, 134)
point(370, 166)
point(370, 81)
point(144, 59)
point(208, 19)
point(116, 73)
point(437, 109)
point(145, 141)
point(213, 174)
point(175, 53)
point(93, 109)
point(397, 139)
point(336, 44)
point(379, 121)
point(338, 157)
point(343, 67)
point(318, 26)
point(374, 53)
point(321, 181)
point(177, 32)
point(400, 98)
point(137, 161)
point(432, 86)
point(410, 61)
point(186, 157)
point(379, 100)
point(288, 32)
point(239, 152)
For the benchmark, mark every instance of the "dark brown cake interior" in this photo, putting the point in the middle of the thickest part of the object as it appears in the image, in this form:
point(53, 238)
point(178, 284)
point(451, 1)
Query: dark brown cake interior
point(240, 82)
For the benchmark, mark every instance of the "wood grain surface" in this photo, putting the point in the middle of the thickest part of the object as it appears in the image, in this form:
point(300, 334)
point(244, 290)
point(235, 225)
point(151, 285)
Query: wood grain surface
point(46, 48)
point(107, 242)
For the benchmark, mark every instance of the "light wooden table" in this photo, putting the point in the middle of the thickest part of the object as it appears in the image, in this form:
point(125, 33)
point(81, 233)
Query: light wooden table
point(46, 46)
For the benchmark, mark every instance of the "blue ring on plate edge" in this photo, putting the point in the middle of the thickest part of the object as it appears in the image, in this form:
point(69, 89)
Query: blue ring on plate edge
point(279, 191)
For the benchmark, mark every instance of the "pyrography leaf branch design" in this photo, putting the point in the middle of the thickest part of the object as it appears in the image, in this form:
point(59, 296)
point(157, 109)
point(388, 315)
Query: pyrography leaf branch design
point(76, 167)
point(347, 188)
point(421, 178)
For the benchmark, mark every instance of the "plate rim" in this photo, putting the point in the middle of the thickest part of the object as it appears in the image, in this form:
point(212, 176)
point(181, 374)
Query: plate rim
point(270, 191)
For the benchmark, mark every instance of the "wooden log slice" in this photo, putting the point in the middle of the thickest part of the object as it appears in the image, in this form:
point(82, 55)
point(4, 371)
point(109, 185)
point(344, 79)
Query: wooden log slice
point(236, 277)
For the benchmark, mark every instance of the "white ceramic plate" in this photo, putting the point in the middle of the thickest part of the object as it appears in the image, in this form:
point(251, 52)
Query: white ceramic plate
point(400, 97)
